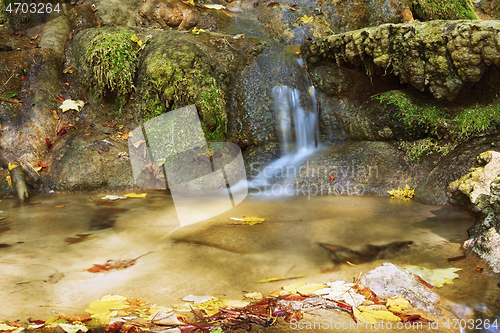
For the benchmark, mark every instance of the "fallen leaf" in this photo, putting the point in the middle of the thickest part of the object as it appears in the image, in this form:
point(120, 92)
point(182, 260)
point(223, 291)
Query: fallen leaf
point(61, 132)
point(34, 37)
point(71, 105)
point(479, 268)
point(9, 180)
point(437, 277)
point(236, 304)
point(12, 166)
point(114, 327)
point(341, 291)
point(79, 317)
point(271, 279)
point(238, 36)
point(43, 165)
point(86, 134)
point(397, 304)
point(59, 206)
point(73, 328)
point(249, 220)
point(332, 177)
point(273, 4)
point(54, 114)
point(10, 95)
point(59, 97)
point(68, 70)
point(109, 124)
point(372, 316)
point(48, 143)
point(112, 197)
point(135, 195)
point(5, 327)
point(254, 295)
point(138, 143)
point(162, 318)
point(98, 269)
point(197, 299)
point(37, 168)
point(216, 7)
point(306, 19)
point(123, 135)
point(197, 31)
point(106, 307)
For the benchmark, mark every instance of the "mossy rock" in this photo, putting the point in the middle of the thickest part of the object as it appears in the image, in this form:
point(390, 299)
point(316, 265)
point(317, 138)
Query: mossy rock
point(428, 10)
point(179, 69)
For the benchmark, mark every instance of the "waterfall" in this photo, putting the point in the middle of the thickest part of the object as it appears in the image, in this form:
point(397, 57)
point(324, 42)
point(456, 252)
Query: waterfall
point(296, 114)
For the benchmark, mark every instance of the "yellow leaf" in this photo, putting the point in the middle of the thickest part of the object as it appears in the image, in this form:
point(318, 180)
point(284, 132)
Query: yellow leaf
point(397, 304)
point(191, 2)
point(134, 38)
point(437, 277)
point(9, 180)
point(271, 279)
point(71, 105)
point(12, 166)
point(405, 194)
point(294, 286)
point(372, 316)
point(135, 195)
point(306, 19)
point(195, 30)
point(310, 288)
point(102, 309)
point(37, 168)
point(236, 304)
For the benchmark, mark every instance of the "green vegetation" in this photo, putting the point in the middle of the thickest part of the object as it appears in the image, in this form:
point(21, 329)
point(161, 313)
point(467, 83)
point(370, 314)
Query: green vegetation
point(415, 150)
point(456, 124)
point(178, 93)
point(112, 59)
point(428, 10)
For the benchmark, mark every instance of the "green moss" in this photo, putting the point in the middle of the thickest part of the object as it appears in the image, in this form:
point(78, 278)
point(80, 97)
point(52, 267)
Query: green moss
point(112, 59)
point(460, 122)
point(428, 10)
point(415, 150)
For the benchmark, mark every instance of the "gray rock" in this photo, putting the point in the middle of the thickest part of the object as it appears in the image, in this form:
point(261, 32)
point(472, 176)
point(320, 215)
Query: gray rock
point(390, 280)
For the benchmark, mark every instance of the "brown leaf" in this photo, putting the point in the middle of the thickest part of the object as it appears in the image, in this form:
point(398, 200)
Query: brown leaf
point(109, 124)
point(79, 317)
point(98, 269)
point(115, 327)
point(54, 114)
point(479, 268)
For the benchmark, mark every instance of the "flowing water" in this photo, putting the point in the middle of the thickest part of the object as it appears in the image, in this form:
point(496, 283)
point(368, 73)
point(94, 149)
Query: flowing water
point(46, 248)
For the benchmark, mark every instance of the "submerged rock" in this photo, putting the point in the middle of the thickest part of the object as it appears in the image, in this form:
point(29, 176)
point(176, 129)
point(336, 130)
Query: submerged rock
point(441, 56)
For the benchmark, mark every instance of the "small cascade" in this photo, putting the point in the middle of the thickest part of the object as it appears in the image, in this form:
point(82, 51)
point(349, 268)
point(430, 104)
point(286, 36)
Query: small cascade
point(296, 112)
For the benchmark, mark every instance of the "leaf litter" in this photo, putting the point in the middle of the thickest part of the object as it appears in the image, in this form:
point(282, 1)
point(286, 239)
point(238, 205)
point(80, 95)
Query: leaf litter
point(213, 314)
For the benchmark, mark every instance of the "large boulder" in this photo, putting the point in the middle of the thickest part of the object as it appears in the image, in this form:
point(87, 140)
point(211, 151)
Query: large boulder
point(441, 56)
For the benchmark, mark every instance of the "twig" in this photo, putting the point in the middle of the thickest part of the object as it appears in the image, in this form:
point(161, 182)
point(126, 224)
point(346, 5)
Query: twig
point(10, 100)
point(229, 43)
point(7, 80)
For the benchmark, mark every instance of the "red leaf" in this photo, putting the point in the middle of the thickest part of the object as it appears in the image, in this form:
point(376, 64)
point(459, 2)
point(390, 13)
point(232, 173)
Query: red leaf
point(60, 98)
point(24, 78)
point(332, 177)
point(48, 143)
point(43, 165)
point(61, 132)
point(98, 269)
point(272, 4)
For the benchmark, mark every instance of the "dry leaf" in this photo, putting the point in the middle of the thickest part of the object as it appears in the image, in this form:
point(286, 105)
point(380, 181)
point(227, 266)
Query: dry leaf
point(5, 327)
point(437, 277)
point(254, 295)
point(71, 105)
point(80, 317)
point(372, 314)
point(9, 180)
point(68, 70)
point(135, 195)
point(12, 166)
point(54, 114)
point(249, 220)
point(397, 304)
point(73, 328)
point(162, 318)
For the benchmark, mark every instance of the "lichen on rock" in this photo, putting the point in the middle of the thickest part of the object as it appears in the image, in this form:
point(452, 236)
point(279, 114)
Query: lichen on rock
point(479, 192)
point(441, 56)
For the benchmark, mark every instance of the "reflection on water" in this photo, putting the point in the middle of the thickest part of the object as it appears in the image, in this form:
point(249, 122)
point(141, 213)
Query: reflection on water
point(50, 244)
